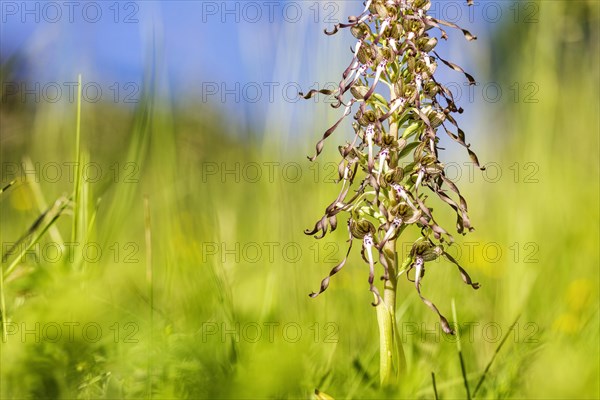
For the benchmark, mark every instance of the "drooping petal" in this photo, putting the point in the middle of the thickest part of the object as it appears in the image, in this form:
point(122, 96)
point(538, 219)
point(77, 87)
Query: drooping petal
point(334, 270)
point(320, 143)
point(437, 22)
point(457, 68)
point(419, 266)
point(368, 249)
point(464, 275)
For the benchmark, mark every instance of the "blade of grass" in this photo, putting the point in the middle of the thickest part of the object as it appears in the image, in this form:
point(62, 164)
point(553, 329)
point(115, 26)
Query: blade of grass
point(5, 188)
point(435, 392)
point(57, 209)
point(460, 355)
point(76, 188)
point(447, 384)
point(40, 199)
point(150, 282)
point(135, 157)
point(3, 307)
point(487, 367)
point(92, 220)
point(24, 237)
point(83, 212)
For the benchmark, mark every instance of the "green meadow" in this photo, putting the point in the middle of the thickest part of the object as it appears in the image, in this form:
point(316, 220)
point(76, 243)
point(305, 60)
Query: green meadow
point(163, 253)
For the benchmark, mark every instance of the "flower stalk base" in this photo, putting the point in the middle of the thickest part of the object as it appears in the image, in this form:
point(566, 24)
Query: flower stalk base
point(392, 363)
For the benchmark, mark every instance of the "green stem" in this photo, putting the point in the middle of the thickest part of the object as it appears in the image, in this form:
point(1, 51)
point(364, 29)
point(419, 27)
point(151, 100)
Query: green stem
point(78, 168)
point(393, 127)
point(392, 363)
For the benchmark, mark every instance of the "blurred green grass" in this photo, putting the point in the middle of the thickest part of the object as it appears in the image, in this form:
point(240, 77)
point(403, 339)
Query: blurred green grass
point(225, 322)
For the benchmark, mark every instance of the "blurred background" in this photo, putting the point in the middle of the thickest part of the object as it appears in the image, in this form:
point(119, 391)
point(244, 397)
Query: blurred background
point(183, 271)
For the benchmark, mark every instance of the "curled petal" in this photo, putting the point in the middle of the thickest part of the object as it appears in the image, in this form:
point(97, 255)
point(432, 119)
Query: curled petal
point(320, 144)
point(419, 265)
point(460, 223)
point(466, 223)
point(335, 270)
point(460, 138)
point(456, 68)
point(429, 222)
point(313, 92)
point(378, 72)
point(333, 223)
point(352, 21)
point(465, 276)
point(345, 86)
point(437, 22)
point(321, 225)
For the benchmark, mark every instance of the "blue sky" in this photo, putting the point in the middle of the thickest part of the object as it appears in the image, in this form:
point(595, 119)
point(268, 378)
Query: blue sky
point(261, 50)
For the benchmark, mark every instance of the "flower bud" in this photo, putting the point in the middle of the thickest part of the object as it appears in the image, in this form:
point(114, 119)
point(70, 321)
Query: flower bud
point(359, 91)
point(427, 44)
point(435, 117)
point(367, 118)
point(360, 228)
point(381, 10)
point(361, 31)
point(365, 54)
point(394, 176)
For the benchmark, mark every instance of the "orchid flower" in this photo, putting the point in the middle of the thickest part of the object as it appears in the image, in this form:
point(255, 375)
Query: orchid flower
point(396, 41)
